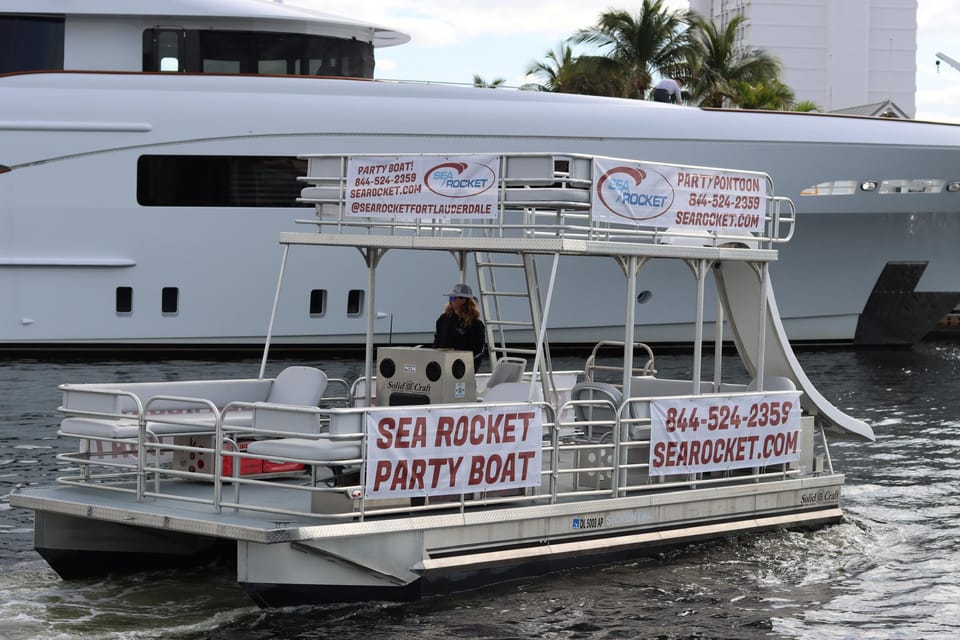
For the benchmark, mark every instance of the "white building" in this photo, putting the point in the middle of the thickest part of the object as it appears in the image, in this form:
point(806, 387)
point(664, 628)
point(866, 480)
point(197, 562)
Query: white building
point(838, 54)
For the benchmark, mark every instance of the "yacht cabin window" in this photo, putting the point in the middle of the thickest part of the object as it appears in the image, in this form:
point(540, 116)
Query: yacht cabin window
point(124, 300)
point(254, 52)
point(219, 181)
point(30, 44)
point(355, 302)
point(169, 300)
point(318, 303)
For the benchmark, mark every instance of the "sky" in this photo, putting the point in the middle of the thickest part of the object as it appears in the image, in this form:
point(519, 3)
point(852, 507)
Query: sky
point(451, 40)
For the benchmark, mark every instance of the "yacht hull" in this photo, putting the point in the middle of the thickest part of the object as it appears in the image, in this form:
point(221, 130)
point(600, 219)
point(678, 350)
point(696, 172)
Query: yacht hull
point(74, 229)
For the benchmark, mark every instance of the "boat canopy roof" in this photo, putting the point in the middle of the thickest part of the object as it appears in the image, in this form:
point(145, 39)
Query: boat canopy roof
point(227, 9)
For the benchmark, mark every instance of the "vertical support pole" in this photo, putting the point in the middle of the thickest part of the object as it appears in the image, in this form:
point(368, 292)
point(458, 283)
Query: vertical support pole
point(372, 258)
point(629, 322)
point(273, 312)
point(698, 327)
point(718, 346)
point(762, 324)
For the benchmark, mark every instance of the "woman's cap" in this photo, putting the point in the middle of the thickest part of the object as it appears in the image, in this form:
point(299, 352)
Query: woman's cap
point(460, 290)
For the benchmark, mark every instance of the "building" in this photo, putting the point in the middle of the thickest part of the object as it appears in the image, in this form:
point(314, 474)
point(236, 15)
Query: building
point(836, 54)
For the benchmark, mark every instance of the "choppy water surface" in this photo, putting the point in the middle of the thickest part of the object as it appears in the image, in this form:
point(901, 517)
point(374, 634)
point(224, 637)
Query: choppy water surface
point(890, 570)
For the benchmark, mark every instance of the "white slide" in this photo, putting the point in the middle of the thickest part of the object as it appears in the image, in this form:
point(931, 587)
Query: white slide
point(737, 284)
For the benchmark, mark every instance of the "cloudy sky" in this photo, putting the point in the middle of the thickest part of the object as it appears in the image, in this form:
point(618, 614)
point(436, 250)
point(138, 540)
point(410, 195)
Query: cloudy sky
point(454, 39)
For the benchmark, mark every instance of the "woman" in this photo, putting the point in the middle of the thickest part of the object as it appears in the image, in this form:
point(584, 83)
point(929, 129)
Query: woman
point(459, 326)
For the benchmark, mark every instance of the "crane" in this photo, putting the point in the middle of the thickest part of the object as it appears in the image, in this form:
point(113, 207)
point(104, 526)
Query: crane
point(950, 61)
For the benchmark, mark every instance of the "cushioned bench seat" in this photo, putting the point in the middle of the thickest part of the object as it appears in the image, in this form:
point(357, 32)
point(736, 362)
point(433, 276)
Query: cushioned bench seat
point(126, 429)
point(324, 450)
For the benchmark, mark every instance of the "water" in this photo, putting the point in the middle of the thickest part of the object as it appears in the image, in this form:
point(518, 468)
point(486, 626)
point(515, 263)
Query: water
point(891, 569)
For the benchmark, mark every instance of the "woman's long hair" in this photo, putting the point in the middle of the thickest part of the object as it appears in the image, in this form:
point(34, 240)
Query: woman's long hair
point(468, 313)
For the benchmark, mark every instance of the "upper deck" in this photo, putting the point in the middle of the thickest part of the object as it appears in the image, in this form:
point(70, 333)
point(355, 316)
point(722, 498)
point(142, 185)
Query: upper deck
point(543, 203)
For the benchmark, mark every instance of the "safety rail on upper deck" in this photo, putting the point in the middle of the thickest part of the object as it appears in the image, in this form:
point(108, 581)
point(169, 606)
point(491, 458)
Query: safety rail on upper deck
point(515, 196)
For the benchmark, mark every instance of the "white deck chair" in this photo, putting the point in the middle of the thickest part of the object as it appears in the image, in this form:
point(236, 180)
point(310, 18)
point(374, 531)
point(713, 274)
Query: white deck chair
point(299, 386)
point(508, 369)
point(596, 403)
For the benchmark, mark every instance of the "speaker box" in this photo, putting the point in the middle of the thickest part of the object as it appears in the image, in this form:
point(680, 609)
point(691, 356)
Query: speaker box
point(411, 375)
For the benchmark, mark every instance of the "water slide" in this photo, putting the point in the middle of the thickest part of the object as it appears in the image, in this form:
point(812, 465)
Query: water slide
point(737, 283)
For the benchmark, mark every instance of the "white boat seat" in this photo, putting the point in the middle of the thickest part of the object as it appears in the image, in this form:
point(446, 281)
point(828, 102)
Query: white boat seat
point(600, 402)
point(513, 392)
point(298, 386)
point(305, 449)
point(125, 429)
point(507, 370)
point(772, 383)
point(315, 451)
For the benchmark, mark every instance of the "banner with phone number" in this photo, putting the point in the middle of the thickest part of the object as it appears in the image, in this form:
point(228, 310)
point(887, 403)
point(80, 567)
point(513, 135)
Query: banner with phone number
point(719, 433)
point(682, 198)
point(423, 187)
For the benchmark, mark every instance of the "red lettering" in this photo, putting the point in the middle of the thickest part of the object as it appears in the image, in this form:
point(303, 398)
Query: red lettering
point(525, 458)
point(476, 471)
point(419, 433)
point(493, 428)
point(526, 417)
point(444, 429)
point(402, 440)
point(399, 476)
point(418, 467)
point(386, 436)
point(476, 430)
point(461, 431)
point(381, 474)
point(658, 455)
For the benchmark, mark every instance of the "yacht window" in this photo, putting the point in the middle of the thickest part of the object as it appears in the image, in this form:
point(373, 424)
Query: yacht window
point(169, 300)
point(911, 186)
point(355, 302)
point(318, 302)
point(30, 44)
point(219, 181)
point(124, 303)
point(253, 52)
point(831, 188)
point(170, 50)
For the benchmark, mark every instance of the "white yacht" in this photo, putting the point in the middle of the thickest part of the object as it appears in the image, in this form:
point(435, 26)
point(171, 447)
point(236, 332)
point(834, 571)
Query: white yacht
point(148, 152)
point(421, 477)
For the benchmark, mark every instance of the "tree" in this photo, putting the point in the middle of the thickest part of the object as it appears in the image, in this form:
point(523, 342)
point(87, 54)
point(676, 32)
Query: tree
point(479, 82)
point(717, 65)
point(806, 106)
point(555, 70)
point(653, 41)
point(772, 95)
point(562, 72)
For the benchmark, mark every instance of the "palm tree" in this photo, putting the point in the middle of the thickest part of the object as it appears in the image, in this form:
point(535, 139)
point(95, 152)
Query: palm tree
point(479, 82)
point(771, 96)
point(807, 106)
point(555, 69)
point(717, 64)
point(562, 72)
point(653, 41)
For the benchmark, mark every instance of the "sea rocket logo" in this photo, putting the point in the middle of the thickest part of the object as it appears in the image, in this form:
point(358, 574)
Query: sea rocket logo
point(459, 179)
point(635, 194)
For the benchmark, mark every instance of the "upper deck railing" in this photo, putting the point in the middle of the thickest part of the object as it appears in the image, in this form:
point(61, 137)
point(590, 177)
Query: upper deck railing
point(543, 202)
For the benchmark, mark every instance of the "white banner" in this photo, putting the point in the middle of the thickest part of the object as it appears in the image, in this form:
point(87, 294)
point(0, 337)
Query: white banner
point(682, 198)
point(717, 433)
point(418, 187)
point(451, 450)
